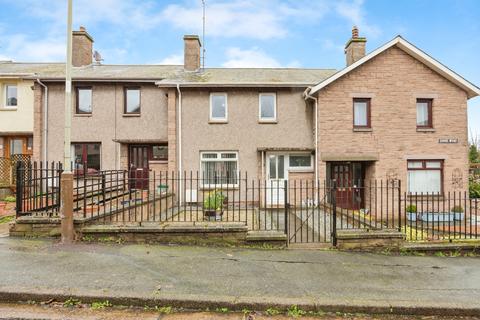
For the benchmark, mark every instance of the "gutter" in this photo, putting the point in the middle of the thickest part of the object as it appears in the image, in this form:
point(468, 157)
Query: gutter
point(45, 122)
point(306, 95)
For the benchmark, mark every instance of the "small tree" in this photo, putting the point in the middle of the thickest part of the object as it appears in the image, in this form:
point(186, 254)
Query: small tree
point(473, 154)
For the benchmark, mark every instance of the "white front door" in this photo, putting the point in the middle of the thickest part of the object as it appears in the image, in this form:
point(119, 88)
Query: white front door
point(276, 176)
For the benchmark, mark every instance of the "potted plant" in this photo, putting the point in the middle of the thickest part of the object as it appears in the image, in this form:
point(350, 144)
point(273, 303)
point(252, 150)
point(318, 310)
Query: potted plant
point(458, 213)
point(213, 204)
point(411, 212)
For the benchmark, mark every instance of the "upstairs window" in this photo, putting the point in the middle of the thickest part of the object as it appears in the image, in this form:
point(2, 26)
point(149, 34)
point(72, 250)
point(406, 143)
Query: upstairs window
point(10, 95)
point(132, 100)
point(84, 100)
point(268, 107)
point(361, 113)
point(424, 113)
point(218, 107)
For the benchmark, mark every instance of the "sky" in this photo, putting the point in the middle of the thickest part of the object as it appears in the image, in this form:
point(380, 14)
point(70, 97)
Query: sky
point(247, 33)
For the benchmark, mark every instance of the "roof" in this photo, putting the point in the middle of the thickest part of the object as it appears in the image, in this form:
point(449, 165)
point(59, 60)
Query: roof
point(169, 75)
point(470, 88)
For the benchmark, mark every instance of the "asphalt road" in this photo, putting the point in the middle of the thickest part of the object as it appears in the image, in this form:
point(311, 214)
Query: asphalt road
point(235, 276)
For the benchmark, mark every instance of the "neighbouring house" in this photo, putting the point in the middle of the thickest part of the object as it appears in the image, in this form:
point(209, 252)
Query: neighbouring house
point(393, 114)
point(16, 109)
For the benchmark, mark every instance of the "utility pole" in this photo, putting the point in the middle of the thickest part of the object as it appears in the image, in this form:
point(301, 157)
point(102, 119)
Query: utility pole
point(68, 94)
point(66, 180)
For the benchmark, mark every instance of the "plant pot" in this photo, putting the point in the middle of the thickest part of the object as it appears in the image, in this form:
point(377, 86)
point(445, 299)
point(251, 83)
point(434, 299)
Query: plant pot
point(458, 216)
point(437, 217)
point(411, 216)
point(213, 215)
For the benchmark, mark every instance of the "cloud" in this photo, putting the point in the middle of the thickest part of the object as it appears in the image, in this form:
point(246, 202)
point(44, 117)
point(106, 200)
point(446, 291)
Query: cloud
point(174, 59)
point(355, 13)
point(24, 48)
point(252, 58)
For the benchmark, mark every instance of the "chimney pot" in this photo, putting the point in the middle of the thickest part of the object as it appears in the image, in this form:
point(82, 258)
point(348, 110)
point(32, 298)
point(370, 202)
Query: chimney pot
point(191, 58)
point(355, 47)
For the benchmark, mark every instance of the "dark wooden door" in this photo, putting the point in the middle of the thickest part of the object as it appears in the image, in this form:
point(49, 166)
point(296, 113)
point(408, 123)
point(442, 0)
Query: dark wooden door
point(348, 191)
point(139, 170)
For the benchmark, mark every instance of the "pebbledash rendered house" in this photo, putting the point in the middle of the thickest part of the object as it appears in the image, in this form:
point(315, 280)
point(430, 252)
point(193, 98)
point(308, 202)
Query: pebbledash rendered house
point(394, 113)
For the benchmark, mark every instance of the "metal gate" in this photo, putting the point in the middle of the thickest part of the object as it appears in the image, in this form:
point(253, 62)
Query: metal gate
point(310, 210)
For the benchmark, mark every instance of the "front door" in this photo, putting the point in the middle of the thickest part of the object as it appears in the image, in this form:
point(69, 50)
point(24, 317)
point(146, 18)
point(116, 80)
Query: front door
point(138, 171)
point(276, 177)
point(348, 176)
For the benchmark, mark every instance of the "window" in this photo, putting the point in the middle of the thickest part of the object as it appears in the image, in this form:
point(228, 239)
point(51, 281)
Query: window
point(424, 113)
point(267, 107)
point(30, 143)
point(218, 107)
point(361, 113)
point(219, 168)
point(10, 95)
point(86, 154)
point(160, 153)
point(132, 101)
point(425, 176)
point(16, 146)
point(300, 161)
point(84, 100)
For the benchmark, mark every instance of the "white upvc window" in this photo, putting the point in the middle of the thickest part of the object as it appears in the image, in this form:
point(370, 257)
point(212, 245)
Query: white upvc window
point(425, 176)
point(267, 107)
point(300, 161)
point(11, 96)
point(219, 168)
point(218, 107)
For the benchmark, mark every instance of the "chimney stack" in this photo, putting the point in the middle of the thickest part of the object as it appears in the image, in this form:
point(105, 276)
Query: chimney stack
point(355, 47)
point(191, 59)
point(82, 45)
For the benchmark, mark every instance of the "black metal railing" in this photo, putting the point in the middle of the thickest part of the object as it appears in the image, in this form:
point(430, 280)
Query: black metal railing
point(303, 210)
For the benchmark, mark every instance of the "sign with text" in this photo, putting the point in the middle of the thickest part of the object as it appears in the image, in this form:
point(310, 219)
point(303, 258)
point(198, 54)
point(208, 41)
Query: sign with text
point(448, 140)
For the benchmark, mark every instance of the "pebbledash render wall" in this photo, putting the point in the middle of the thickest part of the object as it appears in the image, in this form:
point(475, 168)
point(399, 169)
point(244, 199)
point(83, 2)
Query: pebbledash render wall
point(243, 132)
point(107, 124)
point(394, 80)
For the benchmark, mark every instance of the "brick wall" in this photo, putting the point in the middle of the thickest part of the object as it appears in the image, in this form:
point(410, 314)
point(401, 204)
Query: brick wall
point(394, 80)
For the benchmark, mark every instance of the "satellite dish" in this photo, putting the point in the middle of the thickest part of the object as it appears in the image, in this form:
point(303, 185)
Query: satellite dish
point(97, 57)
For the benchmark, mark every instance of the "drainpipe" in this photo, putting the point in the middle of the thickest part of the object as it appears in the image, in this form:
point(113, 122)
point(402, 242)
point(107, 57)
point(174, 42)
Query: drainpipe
point(307, 95)
point(179, 143)
point(45, 122)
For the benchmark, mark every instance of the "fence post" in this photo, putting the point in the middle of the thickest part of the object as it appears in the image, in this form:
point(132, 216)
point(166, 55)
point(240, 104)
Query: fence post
point(287, 204)
point(400, 206)
point(103, 188)
point(66, 207)
point(333, 196)
point(19, 175)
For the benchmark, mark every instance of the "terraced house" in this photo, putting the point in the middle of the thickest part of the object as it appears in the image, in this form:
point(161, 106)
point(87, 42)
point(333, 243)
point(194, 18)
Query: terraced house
point(394, 113)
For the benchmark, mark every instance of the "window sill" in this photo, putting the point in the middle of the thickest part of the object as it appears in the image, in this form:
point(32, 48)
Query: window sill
point(8, 108)
point(425, 130)
point(218, 121)
point(219, 187)
point(157, 161)
point(424, 197)
point(128, 115)
point(362, 130)
point(82, 115)
point(267, 121)
point(301, 170)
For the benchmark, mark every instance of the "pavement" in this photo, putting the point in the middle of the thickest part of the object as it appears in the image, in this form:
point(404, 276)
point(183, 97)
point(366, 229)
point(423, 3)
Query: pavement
point(238, 278)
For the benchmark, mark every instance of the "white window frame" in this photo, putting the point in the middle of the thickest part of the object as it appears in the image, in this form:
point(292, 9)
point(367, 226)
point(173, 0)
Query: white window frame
point(219, 159)
point(218, 120)
point(301, 169)
point(267, 120)
point(5, 95)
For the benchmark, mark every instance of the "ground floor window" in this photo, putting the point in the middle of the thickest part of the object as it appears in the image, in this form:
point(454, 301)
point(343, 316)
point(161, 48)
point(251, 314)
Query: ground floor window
point(86, 154)
point(219, 168)
point(425, 176)
point(301, 161)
